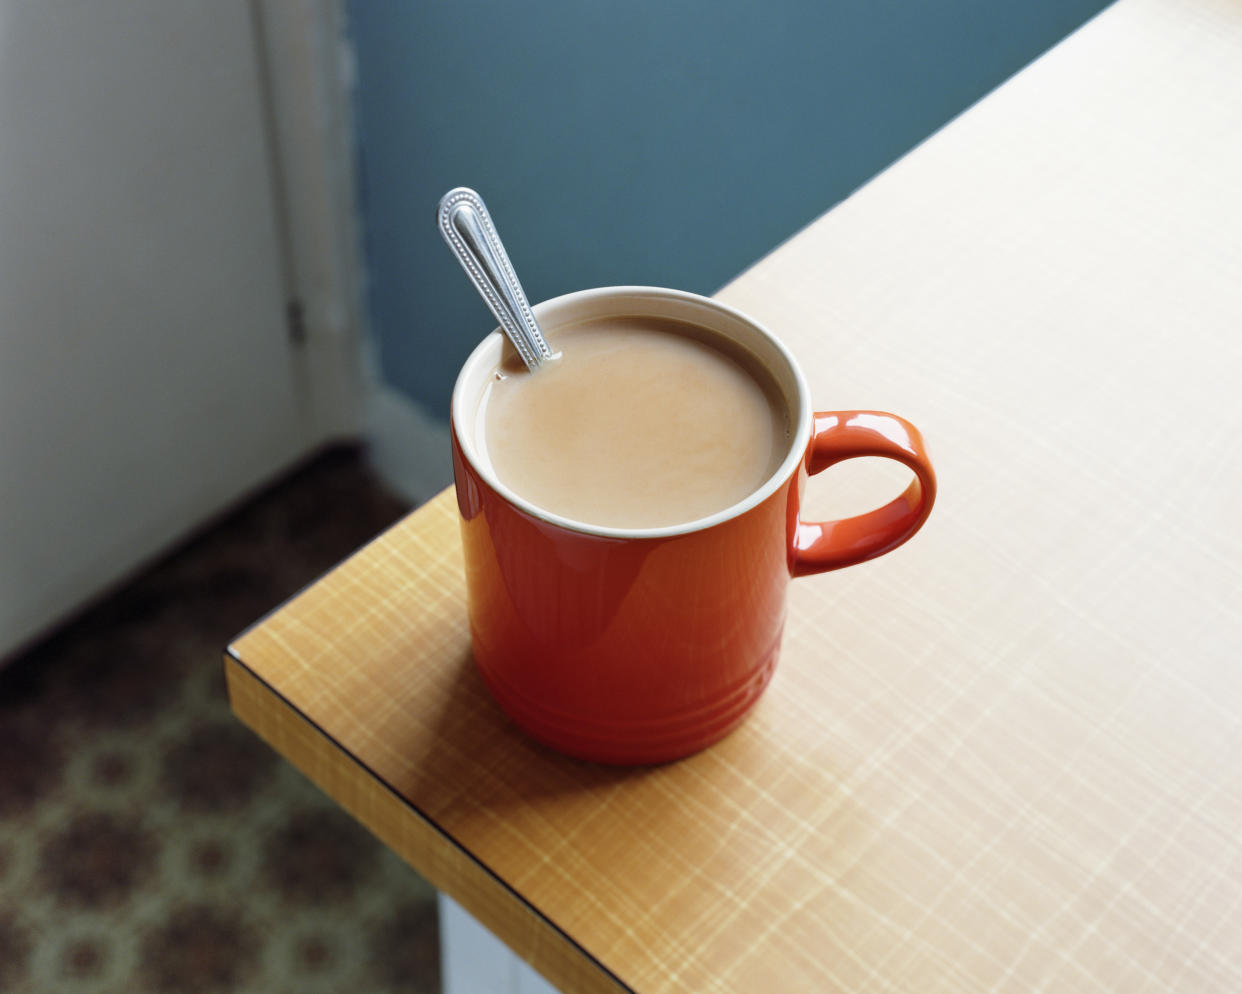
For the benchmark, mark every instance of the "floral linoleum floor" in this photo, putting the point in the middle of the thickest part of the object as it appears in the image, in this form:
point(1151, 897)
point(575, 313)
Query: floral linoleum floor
point(148, 841)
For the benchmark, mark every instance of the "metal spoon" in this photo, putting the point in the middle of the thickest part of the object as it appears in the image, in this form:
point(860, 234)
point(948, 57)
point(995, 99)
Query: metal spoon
point(464, 222)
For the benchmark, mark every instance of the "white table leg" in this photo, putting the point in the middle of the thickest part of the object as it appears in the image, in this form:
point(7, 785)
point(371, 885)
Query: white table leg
point(473, 961)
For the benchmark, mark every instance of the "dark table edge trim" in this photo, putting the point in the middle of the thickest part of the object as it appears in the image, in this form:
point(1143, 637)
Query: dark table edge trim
point(423, 816)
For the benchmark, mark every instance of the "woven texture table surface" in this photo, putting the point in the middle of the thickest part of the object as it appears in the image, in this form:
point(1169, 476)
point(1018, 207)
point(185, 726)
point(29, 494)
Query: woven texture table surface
point(1006, 757)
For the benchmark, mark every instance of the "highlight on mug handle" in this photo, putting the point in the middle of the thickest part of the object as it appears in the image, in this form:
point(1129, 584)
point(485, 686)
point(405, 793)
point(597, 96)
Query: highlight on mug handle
point(819, 546)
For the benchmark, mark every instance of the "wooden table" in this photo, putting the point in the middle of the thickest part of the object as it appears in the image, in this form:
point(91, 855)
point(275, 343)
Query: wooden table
point(1007, 757)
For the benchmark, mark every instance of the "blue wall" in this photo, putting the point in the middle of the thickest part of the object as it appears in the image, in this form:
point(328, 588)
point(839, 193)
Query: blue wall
point(669, 143)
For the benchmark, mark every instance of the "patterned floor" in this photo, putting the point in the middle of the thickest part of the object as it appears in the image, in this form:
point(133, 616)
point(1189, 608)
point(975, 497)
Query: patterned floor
point(149, 842)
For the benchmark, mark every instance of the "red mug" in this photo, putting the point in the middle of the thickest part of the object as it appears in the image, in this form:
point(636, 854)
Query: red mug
point(630, 646)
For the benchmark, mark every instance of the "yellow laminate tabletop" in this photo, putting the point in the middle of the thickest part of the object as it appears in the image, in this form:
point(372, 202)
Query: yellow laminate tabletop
point(1006, 757)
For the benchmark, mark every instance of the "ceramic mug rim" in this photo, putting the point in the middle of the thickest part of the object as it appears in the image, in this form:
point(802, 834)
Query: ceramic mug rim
point(464, 407)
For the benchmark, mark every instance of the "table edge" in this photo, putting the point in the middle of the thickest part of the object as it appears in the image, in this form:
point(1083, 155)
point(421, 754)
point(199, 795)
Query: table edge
point(412, 834)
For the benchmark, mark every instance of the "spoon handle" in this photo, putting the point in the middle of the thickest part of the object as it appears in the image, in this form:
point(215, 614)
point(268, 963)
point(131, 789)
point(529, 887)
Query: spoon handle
point(464, 222)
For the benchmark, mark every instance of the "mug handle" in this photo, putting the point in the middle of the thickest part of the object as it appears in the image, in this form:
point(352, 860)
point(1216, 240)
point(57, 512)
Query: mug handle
point(820, 546)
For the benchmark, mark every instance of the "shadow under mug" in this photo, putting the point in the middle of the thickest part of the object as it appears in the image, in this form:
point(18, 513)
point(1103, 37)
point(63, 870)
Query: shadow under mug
point(645, 645)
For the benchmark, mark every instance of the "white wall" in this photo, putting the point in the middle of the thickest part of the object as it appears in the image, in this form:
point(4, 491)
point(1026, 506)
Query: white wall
point(146, 375)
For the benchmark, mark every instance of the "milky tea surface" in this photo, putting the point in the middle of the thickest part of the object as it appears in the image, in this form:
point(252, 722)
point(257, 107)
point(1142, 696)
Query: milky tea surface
point(641, 423)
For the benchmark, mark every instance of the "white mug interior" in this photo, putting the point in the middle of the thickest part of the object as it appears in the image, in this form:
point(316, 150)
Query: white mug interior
point(637, 301)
